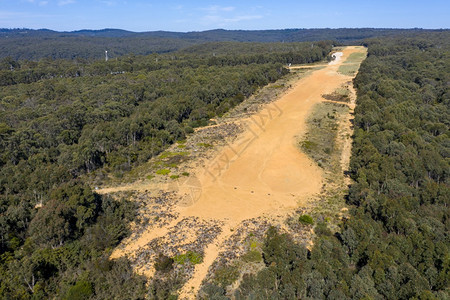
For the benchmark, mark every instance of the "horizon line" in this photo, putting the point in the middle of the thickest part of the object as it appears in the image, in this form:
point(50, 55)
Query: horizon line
point(216, 29)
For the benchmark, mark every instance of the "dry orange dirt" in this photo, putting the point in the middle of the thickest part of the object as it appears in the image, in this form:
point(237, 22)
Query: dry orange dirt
point(262, 173)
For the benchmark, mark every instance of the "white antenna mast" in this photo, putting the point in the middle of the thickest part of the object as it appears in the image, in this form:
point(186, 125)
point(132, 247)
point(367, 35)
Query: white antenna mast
point(106, 55)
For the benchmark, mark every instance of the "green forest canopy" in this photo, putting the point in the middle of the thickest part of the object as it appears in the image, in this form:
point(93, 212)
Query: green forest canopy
point(32, 44)
point(64, 118)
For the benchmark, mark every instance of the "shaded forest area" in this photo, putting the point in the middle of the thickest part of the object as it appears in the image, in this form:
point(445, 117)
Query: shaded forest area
point(60, 119)
point(31, 44)
point(395, 245)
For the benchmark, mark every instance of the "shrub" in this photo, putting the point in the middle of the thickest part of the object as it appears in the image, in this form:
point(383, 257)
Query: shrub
point(206, 145)
point(190, 256)
point(170, 165)
point(81, 290)
point(322, 229)
point(188, 130)
point(308, 145)
point(252, 256)
point(306, 219)
point(226, 275)
point(163, 172)
point(163, 263)
point(254, 244)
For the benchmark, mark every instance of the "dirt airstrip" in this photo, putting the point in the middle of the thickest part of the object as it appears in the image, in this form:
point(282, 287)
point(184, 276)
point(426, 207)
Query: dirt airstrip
point(261, 173)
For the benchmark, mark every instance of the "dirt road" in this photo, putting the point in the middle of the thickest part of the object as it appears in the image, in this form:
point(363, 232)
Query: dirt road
point(261, 173)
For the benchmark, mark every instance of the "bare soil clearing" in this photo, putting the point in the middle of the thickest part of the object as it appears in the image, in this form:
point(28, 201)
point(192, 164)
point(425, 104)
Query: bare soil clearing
point(262, 173)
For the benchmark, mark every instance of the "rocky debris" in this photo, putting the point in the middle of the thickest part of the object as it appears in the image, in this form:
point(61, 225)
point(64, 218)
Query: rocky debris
point(155, 210)
point(190, 234)
point(299, 232)
point(239, 242)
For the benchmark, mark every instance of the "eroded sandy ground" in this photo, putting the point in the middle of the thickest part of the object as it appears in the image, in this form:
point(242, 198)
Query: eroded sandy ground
point(259, 175)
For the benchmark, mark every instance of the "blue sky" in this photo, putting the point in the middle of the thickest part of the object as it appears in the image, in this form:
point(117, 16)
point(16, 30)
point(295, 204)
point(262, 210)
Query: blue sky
point(138, 15)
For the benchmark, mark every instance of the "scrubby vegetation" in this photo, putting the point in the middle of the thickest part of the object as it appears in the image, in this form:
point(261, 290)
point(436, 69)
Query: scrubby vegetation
point(320, 140)
point(339, 95)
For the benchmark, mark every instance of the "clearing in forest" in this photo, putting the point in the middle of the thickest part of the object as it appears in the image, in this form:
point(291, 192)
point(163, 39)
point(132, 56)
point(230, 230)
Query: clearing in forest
point(262, 173)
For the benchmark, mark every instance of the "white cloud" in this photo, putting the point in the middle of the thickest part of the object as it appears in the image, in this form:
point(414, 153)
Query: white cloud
point(217, 8)
point(9, 14)
point(228, 8)
point(221, 15)
point(109, 3)
point(223, 20)
point(14, 19)
point(66, 2)
point(40, 3)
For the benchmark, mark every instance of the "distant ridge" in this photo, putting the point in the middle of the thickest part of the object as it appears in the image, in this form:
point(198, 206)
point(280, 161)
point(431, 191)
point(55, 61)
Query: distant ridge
point(107, 32)
point(215, 34)
point(34, 44)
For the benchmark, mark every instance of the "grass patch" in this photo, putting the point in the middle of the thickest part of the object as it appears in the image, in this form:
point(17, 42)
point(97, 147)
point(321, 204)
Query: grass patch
point(254, 245)
point(206, 145)
point(320, 141)
point(342, 91)
point(190, 256)
point(163, 172)
point(185, 174)
point(174, 176)
point(340, 94)
point(348, 69)
point(170, 165)
point(355, 57)
point(308, 145)
point(150, 177)
point(252, 256)
point(276, 86)
point(351, 64)
point(168, 154)
point(171, 159)
point(181, 146)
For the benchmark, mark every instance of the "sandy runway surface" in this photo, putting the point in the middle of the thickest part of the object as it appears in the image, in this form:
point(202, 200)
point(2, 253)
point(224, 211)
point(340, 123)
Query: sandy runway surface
point(262, 172)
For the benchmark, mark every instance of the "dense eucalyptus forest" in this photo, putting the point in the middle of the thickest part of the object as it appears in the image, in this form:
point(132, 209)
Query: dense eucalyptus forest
point(395, 244)
point(61, 119)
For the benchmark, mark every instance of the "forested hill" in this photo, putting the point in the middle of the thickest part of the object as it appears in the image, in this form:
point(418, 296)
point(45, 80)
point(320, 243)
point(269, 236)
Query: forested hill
point(91, 44)
point(60, 119)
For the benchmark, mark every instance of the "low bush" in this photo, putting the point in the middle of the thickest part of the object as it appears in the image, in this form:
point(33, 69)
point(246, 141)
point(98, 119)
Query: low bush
point(306, 219)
